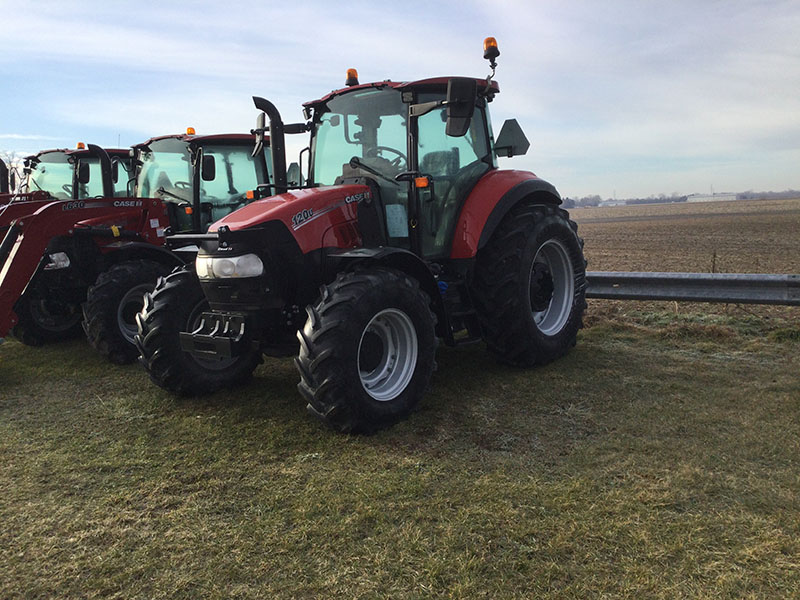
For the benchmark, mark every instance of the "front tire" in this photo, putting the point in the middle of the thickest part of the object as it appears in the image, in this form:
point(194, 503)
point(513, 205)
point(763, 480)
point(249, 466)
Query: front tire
point(45, 316)
point(112, 304)
point(367, 350)
point(176, 305)
point(530, 286)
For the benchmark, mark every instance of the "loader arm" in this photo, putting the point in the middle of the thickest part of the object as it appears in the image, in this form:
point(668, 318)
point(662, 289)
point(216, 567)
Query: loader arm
point(28, 236)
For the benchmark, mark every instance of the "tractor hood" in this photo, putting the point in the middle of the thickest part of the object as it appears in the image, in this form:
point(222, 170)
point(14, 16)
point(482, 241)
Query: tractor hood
point(316, 217)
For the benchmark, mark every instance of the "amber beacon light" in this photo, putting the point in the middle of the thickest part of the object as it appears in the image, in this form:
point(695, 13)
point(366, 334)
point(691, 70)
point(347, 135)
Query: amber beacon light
point(490, 49)
point(352, 78)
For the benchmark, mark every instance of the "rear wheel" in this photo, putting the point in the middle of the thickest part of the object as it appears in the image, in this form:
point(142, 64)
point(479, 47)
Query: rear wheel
point(111, 306)
point(367, 350)
point(176, 305)
point(45, 316)
point(530, 285)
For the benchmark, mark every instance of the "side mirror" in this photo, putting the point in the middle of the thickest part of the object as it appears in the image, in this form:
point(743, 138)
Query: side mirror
point(13, 180)
point(208, 170)
point(461, 96)
point(115, 171)
point(293, 175)
point(261, 125)
point(83, 173)
point(511, 140)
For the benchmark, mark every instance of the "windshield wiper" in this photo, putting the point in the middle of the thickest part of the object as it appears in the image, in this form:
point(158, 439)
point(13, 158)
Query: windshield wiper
point(180, 199)
point(355, 163)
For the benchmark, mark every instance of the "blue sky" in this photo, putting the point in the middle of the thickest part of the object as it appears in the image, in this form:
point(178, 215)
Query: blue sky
point(618, 98)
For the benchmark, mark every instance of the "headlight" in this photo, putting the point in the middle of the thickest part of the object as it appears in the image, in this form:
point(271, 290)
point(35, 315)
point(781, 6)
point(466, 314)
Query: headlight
point(58, 260)
point(247, 265)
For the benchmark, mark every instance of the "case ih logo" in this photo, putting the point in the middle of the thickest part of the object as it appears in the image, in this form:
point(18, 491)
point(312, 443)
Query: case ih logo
point(357, 197)
point(128, 203)
point(73, 205)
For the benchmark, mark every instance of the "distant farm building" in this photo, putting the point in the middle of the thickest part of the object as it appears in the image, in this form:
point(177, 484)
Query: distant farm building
point(710, 197)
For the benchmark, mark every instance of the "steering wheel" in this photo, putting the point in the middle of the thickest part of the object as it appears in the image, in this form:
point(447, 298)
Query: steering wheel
point(398, 160)
point(182, 185)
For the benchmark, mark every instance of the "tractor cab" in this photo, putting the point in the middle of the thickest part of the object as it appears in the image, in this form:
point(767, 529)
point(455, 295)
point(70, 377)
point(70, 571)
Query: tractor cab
point(77, 174)
point(199, 178)
point(397, 135)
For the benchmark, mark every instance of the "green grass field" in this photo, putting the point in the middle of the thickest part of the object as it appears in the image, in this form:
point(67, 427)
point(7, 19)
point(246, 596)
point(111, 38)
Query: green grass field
point(658, 459)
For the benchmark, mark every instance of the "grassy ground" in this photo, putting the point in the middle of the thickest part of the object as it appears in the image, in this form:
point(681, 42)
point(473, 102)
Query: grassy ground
point(659, 459)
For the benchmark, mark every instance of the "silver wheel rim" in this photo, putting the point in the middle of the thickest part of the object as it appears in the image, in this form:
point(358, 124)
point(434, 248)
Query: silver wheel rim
point(386, 376)
point(552, 268)
point(131, 303)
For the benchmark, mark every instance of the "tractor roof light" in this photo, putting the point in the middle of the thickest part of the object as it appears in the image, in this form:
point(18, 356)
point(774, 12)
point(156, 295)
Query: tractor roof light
point(352, 78)
point(190, 131)
point(490, 53)
point(81, 146)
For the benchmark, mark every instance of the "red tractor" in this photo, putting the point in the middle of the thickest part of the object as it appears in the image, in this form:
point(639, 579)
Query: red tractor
point(63, 174)
point(406, 232)
point(102, 253)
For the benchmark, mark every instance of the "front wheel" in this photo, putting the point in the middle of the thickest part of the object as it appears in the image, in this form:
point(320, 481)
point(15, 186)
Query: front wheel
point(530, 286)
point(176, 305)
point(367, 350)
point(45, 315)
point(111, 306)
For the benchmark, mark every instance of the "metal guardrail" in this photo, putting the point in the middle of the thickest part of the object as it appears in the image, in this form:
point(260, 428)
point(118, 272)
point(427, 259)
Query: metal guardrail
point(738, 288)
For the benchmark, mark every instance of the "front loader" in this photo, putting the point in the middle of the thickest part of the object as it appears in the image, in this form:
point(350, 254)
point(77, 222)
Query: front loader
point(70, 263)
point(406, 233)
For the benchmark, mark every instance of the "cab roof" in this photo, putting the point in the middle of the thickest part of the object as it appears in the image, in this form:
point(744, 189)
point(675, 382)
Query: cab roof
point(119, 152)
point(430, 84)
point(219, 137)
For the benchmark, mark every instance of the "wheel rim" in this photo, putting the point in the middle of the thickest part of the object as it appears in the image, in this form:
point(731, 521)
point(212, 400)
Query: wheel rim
point(387, 354)
point(193, 324)
point(551, 287)
point(131, 303)
point(53, 316)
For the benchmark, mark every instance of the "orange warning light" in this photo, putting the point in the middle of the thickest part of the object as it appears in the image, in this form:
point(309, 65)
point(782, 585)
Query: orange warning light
point(352, 77)
point(190, 131)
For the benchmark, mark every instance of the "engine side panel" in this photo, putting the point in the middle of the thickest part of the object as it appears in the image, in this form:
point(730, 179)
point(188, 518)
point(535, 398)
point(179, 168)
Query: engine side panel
point(316, 217)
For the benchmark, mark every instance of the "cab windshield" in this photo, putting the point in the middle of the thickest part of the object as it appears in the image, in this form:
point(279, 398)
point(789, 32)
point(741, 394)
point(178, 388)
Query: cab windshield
point(165, 172)
point(51, 172)
point(369, 125)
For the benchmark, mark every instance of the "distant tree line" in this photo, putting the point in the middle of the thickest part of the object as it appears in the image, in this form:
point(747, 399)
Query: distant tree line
point(596, 200)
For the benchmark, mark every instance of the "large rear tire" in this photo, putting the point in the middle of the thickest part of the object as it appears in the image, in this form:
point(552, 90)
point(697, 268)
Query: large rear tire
point(530, 285)
point(45, 316)
point(112, 304)
point(174, 306)
point(367, 350)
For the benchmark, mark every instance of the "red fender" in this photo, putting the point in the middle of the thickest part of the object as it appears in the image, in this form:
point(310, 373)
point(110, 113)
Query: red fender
point(489, 201)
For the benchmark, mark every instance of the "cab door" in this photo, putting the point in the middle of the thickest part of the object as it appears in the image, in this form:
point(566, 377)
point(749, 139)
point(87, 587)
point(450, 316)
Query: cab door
point(453, 165)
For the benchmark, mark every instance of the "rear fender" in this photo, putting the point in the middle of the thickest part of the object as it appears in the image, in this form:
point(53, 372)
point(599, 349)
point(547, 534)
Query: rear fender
point(489, 201)
point(118, 252)
point(396, 258)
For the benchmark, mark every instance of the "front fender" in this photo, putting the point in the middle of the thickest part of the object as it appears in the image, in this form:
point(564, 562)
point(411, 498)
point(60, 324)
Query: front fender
point(488, 203)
